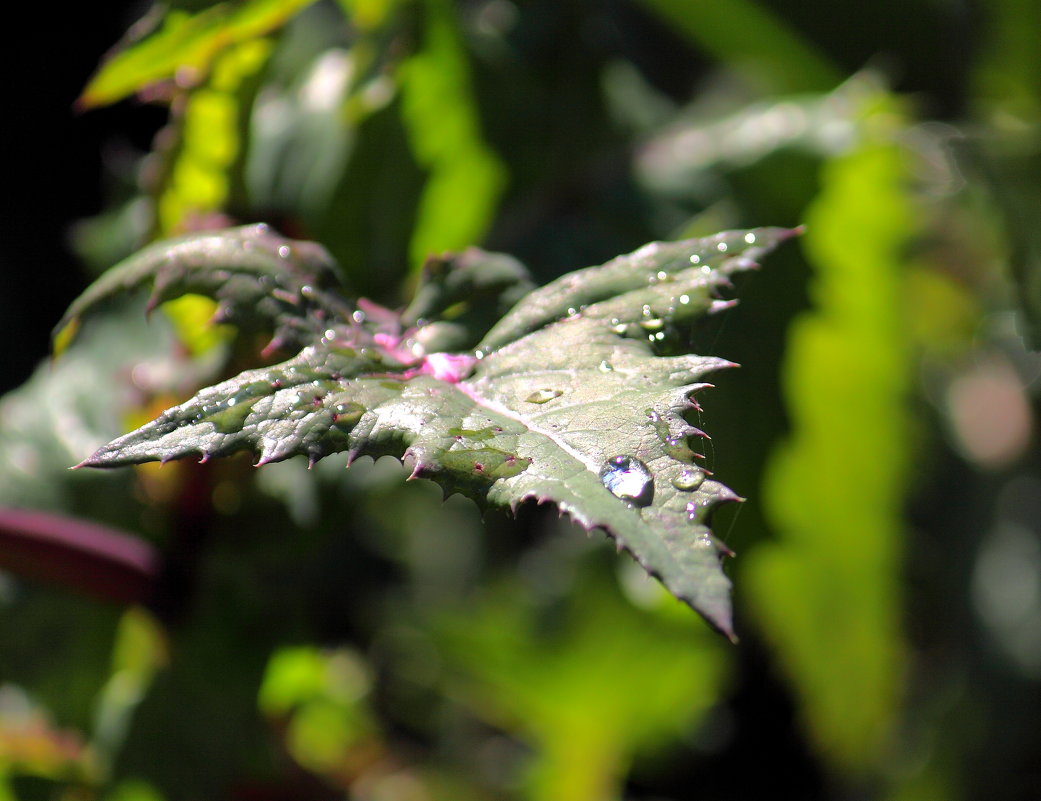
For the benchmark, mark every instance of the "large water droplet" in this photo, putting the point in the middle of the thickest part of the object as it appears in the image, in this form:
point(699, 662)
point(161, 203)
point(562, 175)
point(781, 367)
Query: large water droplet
point(629, 479)
point(689, 479)
point(543, 395)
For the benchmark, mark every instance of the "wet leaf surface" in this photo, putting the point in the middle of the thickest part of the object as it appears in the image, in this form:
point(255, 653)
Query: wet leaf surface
point(569, 399)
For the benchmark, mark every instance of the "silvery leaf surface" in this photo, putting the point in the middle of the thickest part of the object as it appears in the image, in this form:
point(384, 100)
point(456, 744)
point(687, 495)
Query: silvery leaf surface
point(571, 398)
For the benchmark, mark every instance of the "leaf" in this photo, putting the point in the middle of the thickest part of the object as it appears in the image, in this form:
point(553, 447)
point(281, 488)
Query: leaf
point(260, 280)
point(654, 674)
point(185, 42)
point(828, 587)
point(757, 43)
point(440, 114)
point(569, 400)
point(469, 291)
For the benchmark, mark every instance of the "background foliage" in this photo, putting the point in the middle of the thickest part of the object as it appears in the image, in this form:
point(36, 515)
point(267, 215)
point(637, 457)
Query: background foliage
point(339, 633)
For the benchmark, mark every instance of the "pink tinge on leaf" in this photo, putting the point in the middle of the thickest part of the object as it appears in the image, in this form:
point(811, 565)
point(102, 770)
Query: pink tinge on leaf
point(450, 367)
point(384, 319)
point(391, 343)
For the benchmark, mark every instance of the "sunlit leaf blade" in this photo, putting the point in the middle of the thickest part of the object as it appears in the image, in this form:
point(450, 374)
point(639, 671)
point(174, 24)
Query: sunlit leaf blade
point(259, 279)
point(828, 587)
point(578, 407)
point(637, 273)
point(185, 42)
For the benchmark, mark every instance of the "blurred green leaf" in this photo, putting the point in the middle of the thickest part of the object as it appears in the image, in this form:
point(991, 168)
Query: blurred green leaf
point(134, 790)
point(319, 695)
point(589, 683)
point(751, 39)
point(202, 174)
point(185, 42)
point(465, 177)
point(828, 592)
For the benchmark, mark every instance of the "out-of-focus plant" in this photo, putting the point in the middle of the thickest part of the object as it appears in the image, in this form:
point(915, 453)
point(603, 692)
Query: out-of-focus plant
point(313, 632)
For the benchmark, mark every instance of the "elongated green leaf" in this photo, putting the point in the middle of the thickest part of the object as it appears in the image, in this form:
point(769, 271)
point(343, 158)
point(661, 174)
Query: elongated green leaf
point(185, 42)
point(828, 588)
point(747, 36)
point(569, 401)
point(440, 113)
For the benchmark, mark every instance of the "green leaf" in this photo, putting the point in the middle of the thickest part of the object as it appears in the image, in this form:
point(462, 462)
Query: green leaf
point(828, 588)
point(260, 280)
point(602, 683)
point(466, 177)
point(185, 42)
point(467, 293)
point(756, 42)
point(570, 399)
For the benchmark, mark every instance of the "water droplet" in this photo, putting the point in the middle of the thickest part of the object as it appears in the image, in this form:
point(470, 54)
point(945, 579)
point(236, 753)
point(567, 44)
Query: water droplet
point(652, 324)
point(659, 336)
point(689, 479)
point(479, 354)
point(358, 316)
point(722, 247)
point(706, 270)
point(750, 238)
point(605, 366)
point(662, 275)
point(695, 259)
point(543, 395)
point(619, 328)
point(346, 415)
point(284, 251)
point(628, 478)
point(692, 510)
point(684, 299)
point(572, 311)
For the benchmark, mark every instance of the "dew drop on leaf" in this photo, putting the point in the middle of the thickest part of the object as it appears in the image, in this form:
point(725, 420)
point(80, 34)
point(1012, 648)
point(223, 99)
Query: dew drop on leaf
point(689, 479)
point(628, 478)
point(543, 395)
